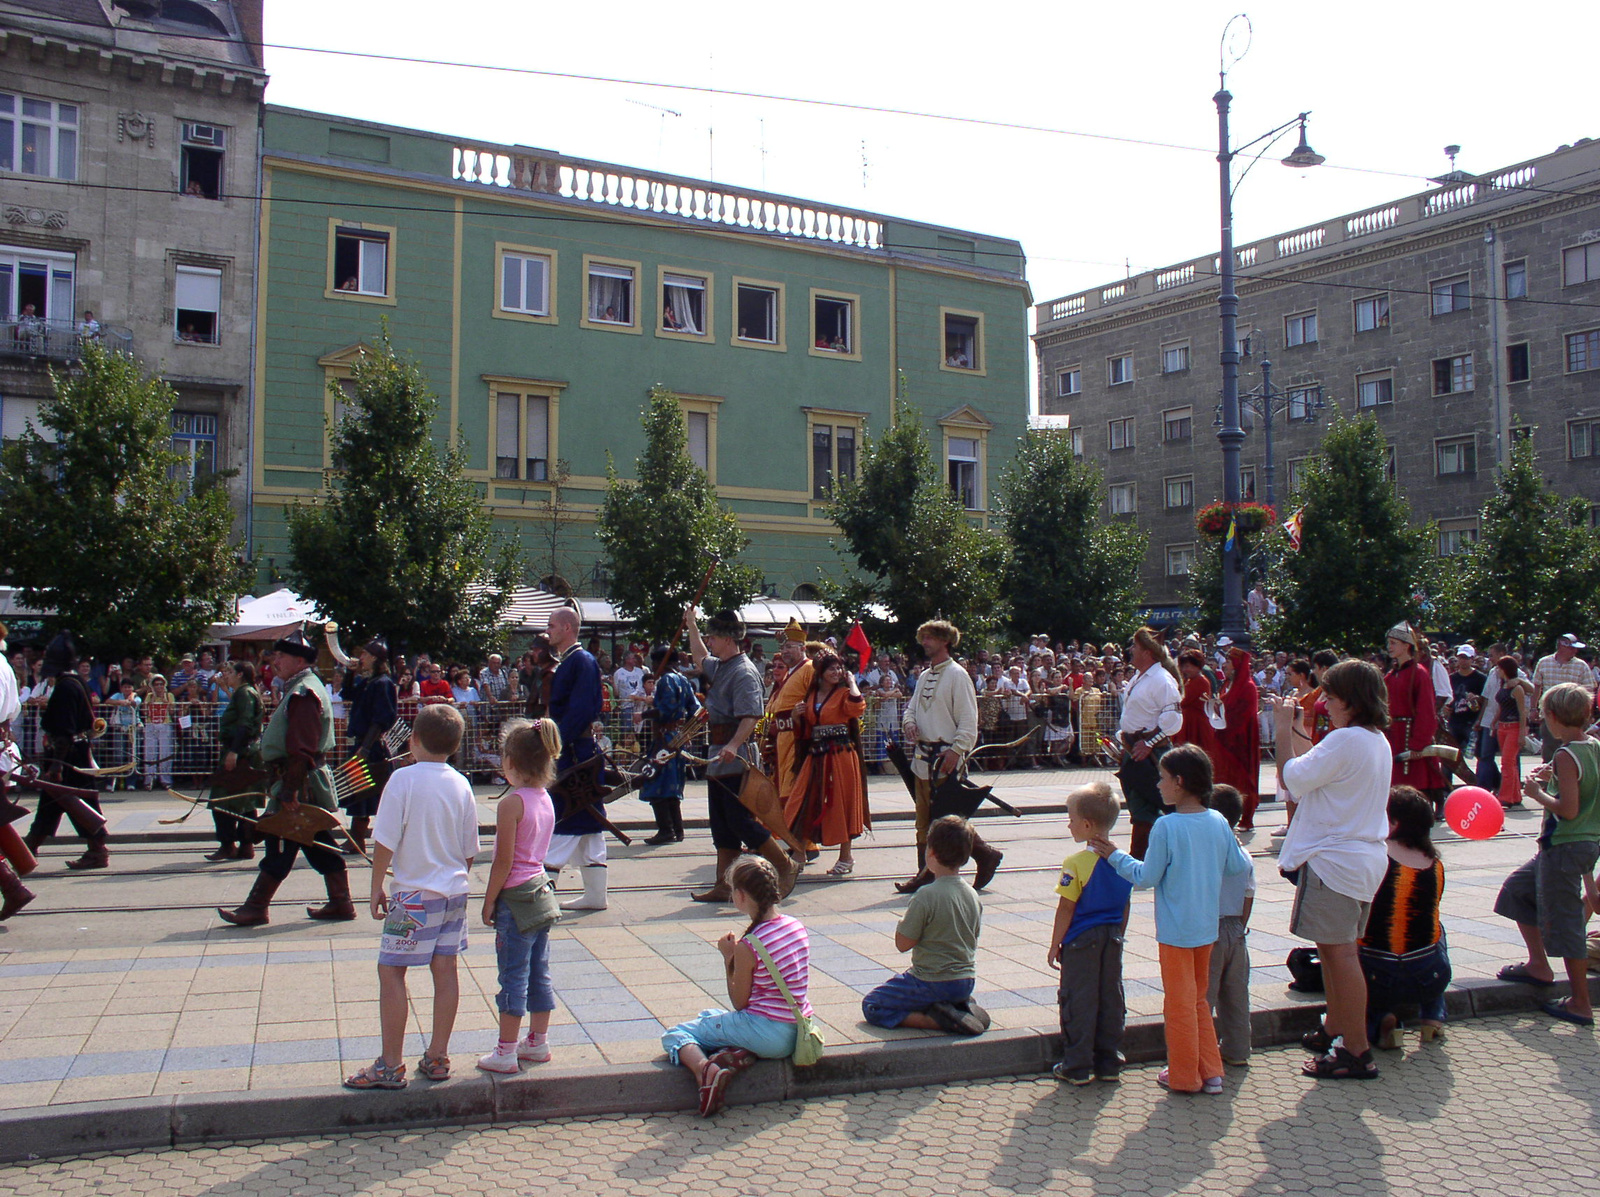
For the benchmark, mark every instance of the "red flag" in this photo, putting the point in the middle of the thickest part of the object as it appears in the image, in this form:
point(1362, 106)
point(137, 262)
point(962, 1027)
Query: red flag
point(857, 639)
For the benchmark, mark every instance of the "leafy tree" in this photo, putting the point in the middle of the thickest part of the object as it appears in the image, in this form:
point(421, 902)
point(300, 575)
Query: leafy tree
point(1535, 571)
point(916, 550)
point(1069, 573)
point(660, 531)
point(1359, 561)
point(400, 544)
point(99, 525)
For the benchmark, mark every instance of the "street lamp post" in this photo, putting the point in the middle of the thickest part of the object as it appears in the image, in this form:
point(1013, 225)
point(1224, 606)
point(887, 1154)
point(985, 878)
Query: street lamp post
point(1231, 435)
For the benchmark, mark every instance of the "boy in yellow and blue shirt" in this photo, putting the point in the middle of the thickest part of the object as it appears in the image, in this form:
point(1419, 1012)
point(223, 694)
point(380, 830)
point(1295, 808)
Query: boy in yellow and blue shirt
point(1086, 945)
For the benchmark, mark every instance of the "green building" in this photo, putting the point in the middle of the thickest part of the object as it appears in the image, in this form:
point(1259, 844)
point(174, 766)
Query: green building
point(544, 295)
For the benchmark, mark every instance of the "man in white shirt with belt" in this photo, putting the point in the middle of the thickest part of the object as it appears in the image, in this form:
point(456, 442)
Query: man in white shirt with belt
point(1150, 716)
point(941, 727)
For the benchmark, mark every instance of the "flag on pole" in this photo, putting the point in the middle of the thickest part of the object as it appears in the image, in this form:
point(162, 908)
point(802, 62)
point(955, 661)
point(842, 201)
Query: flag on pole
point(1293, 526)
point(1233, 526)
point(857, 639)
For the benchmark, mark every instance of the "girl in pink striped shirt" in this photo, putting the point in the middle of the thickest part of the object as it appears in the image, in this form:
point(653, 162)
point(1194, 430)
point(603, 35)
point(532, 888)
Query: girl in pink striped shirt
point(721, 1043)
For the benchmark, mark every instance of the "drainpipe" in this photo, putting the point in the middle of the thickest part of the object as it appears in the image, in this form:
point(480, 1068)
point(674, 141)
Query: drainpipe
point(1500, 419)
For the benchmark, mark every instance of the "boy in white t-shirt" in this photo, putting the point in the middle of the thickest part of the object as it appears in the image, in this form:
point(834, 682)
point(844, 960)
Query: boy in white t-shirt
point(427, 829)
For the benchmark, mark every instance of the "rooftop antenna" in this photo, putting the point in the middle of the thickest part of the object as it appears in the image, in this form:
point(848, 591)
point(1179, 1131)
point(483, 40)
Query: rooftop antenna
point(660, 136)
point(1452, 175)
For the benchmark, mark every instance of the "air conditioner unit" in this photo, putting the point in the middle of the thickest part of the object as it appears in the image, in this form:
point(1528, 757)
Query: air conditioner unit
point(211, 135)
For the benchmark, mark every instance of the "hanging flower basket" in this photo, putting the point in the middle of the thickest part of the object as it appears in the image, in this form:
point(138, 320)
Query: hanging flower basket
point(1254, 517)
point(1213, 519)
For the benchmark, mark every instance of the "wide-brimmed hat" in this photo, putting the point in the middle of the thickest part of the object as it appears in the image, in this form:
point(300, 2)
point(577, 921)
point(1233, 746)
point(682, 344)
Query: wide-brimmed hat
point(725, 623)
point(296, 644)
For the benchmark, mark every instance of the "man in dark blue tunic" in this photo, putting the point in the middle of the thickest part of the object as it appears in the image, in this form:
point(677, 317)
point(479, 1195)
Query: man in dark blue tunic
point(575, 702)
point(374, 702)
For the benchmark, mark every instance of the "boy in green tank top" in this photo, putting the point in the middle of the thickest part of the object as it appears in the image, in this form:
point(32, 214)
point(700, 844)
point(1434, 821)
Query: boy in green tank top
point(1545, 896)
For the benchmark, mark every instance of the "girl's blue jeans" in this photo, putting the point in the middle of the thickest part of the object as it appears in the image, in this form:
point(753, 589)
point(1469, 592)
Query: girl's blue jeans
point(524, 966)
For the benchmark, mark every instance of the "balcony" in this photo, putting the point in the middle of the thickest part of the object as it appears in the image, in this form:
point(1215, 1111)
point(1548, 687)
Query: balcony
point(56, 340)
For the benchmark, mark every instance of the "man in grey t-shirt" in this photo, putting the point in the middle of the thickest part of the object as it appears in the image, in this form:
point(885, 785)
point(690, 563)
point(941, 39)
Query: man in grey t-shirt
point(734, 704)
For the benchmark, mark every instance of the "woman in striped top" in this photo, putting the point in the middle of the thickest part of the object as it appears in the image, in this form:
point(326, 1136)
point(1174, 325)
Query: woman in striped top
point(721, 1043)
point(1403, 952)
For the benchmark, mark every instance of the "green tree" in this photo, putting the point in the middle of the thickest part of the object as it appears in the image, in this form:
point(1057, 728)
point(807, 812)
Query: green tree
point(661, 530)
point(1357, 569)
point(915, 549)
point(99, 524)
point(1535, 571)
point(400, 544)
point(1069, 572)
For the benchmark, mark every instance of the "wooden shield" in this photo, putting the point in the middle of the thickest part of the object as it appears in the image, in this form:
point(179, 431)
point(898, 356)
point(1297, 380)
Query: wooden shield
point(300, 823)
point(760, 797)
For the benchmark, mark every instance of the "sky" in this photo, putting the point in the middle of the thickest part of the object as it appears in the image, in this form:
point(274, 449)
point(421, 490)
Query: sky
point(1388, 86)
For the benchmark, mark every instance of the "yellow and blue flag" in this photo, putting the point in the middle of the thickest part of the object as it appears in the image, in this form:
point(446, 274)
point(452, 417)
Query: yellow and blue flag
point(1233, 526)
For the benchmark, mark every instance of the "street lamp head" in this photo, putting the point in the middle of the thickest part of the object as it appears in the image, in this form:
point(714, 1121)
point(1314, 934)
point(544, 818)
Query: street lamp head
point(1304, 156)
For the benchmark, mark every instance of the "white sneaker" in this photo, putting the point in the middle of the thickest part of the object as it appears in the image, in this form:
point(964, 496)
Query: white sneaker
point(495, 1061)
point(534, 1053)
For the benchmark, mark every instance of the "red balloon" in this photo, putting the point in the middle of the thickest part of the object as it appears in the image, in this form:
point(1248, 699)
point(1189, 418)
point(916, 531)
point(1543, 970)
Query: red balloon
point(1475, 813)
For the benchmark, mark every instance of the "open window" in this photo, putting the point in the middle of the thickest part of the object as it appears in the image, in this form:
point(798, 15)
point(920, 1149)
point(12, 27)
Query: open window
point(963, 340)
point(834, 331)
point(196, 304)
point(361, 261)
point(200, 170)
point(610, 297)
point(685, 305)
point(758, 314)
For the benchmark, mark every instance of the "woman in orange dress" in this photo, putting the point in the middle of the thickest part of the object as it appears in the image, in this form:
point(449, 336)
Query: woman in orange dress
point(828, 804)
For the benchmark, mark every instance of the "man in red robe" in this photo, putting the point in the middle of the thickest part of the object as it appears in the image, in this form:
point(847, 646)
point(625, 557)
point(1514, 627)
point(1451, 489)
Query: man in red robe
point(1413, 715)
point(1236, 755)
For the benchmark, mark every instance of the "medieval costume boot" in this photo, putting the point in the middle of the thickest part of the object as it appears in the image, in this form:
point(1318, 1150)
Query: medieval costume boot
point(225, 851)
point(663, 835)
point(360, 832)
point(923, 876)
point(34, 842)
point(95, 855)
point(594, 890)
point(677, 822)
point(16, 894)
point(987, 859)
point(779, 858)
point(254, 911)
point(339, 906)
point(719, 892)
point(223, 822)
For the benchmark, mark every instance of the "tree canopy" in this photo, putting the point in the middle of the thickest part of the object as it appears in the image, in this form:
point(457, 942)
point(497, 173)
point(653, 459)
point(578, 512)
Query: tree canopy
point(400, 544)
point(660, 530)
point(1070, 573)
point(100, 521)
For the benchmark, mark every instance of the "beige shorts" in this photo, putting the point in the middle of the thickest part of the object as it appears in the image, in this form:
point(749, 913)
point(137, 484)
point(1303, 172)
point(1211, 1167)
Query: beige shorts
point(1323, 915)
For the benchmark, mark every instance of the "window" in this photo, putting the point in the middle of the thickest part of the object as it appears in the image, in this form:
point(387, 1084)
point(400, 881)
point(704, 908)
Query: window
point(1302, 403)
point(1374, 389)
point(1119, 369)
point(1180, 491)
point(1456, 536)
point(1300, 329)
point(526, 283)
point(1120, 434)
point(961, 454)
point(200, 170)
point(833, 325)
point(1583, 438)
point(609, 295)
point(1174, 358)
point(522, 436)
point(1297, 473)
point(18, 413)
point(758, 314)
point(1180, 560)
point(1124, 498)
point(36, 295)
point(1521, 432)
point(1517, 367)
point(1458, 456)
point(1069, 382)
point(833, 455)
point(196, 303)
point(1176, 425)
point(700, 431)
point(1077, 441)
point(1581, 264)
point(963, 340)
point(1247, 482)
point(1372, 313)
point(685, 305)
point(1516, 280)
point(361, 261)
point(1450, 295)
point(1583, 350)
point(194, 439)
point(1452, 374)
point(38, 137)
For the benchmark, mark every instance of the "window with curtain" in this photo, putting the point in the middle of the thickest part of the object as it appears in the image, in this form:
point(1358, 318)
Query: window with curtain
point(196, 302)
point(611, 294)
point(683, 304)
point(699, 429)
point(361, 261)
point(522, 437)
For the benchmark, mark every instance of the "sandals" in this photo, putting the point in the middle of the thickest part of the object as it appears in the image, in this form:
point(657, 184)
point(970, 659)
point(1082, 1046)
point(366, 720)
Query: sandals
point(714, 1080)
point(433, 1068)
point(1565, 1013)
point(1341, 1064)
point(378, 1075)
point(842, 868)
point(1520, 974)
point(1318, 1042)
point(734, 1059)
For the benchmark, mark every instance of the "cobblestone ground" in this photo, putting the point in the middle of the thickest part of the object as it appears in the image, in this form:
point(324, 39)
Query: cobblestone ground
point(1508, 1105)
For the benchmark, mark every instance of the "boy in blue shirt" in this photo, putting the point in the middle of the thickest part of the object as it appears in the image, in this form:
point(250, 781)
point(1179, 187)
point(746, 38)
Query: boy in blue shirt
point(1086, 945)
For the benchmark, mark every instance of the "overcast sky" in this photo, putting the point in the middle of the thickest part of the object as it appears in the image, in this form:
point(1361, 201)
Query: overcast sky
point(1389, 85)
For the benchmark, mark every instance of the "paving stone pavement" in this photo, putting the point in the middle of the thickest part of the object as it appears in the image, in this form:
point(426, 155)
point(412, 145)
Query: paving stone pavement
point(125, 984)
point(1505, 1105)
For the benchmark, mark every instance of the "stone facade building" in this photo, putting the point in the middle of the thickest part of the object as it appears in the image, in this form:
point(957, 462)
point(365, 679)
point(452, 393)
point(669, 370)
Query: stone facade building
point(128, 204)
point(1462, 318)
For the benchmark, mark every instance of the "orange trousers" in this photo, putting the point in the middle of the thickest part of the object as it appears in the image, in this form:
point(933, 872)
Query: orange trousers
point(1510, 737)
point(1192, 1052)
